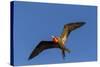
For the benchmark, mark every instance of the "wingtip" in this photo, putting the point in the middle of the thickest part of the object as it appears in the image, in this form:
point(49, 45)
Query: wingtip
point(82, 23)
point(78, 22)
point(30, 58)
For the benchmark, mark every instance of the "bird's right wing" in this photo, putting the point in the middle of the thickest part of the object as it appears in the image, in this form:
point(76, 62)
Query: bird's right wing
point(43, 45)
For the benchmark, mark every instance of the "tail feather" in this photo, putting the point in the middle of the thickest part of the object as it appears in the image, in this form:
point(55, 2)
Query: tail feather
point(63, 54)
point(66, 49)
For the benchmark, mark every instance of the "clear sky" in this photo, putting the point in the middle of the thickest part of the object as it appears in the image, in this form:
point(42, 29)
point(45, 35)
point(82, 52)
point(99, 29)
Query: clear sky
point(34, 22)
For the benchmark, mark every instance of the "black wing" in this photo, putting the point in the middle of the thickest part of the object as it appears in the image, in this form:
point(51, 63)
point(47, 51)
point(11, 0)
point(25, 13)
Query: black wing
point(43, 45)
point(70, 27)
point(73, 26)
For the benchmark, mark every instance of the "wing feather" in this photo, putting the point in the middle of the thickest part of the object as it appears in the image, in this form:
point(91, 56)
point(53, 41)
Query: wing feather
point(43, 45)
point(73, 26)
point(70, 27)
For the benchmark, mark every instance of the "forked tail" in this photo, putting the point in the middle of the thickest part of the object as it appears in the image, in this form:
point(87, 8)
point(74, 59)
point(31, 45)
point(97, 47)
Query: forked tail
point(63, 52)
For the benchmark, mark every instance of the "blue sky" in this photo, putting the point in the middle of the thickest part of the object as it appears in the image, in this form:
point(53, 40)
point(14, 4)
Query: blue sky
point(34, 22)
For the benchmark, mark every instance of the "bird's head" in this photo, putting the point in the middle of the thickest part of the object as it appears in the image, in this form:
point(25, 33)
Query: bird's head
point(54, 39)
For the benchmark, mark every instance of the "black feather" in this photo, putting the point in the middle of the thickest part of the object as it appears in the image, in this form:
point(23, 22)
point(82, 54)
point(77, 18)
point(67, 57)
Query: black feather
point(43, 45)
point(63, 54)
point(73, 26)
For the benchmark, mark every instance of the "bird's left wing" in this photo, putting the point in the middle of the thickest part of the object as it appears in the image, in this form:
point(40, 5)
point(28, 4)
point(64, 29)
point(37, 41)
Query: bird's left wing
point(70, 27)
point(73, 26)
point(43, 45)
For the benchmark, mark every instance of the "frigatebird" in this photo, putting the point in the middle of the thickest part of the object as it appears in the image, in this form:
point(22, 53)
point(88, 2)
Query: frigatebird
point(57, 42)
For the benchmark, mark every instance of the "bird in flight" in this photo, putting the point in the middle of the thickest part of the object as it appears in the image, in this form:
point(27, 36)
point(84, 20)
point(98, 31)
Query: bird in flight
point(57, 42)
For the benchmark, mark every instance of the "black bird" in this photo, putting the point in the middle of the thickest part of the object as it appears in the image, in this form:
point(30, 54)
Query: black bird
point(57, 42)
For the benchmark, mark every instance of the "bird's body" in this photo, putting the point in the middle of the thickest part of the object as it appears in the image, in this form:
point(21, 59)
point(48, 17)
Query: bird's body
point(57, 42)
